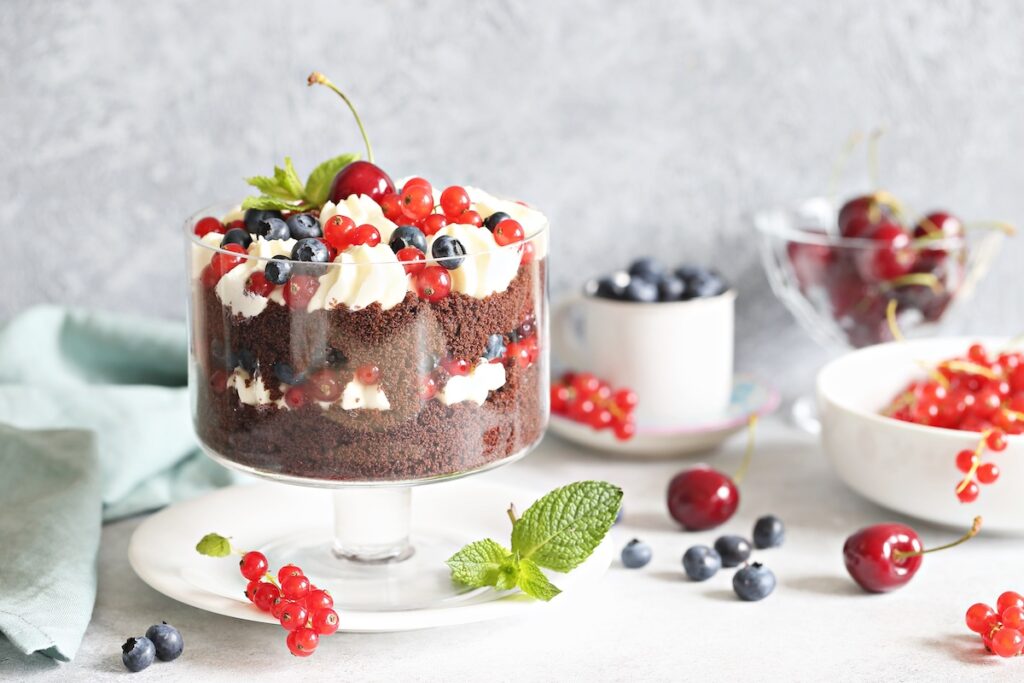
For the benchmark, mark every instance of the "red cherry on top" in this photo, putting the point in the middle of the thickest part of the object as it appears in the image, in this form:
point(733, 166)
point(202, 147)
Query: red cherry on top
point(361, 177)
point(884, 557)
point(864, 211)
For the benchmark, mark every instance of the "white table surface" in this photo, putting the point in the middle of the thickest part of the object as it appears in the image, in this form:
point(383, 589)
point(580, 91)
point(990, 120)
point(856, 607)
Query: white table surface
point(640, 625)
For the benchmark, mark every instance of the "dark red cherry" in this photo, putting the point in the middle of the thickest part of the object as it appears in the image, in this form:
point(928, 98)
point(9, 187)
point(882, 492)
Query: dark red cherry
point(871, 558)
point(702, 498)
point(860, 214)
point(361, 177)
point(937, 225)
point(890, 259)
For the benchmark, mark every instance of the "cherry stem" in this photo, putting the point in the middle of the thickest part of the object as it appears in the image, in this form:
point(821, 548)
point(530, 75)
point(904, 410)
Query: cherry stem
point(916, 280)
point(318, 78)
point(741, 472)
point(900, 555)
point(935, 374)
point(970, 368)
point(512, 514)
point(873, 165)
point(890, 318)
point(975, 461)
point(1002, 226)
point(840, 164)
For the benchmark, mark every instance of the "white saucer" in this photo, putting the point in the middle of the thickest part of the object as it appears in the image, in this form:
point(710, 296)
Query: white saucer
point(749, 396)
point(162, 549)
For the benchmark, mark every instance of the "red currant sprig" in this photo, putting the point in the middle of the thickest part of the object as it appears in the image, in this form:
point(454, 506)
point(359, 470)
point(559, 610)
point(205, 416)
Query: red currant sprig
point(584, 398)
point(1001, 629)
point(969, 462)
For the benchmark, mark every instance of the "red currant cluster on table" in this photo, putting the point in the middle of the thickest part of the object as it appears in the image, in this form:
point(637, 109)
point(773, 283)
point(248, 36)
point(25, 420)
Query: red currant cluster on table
point(918, 265)
point(1001, 629)
point(582, 397)
point(304, 610)
point(412, 209)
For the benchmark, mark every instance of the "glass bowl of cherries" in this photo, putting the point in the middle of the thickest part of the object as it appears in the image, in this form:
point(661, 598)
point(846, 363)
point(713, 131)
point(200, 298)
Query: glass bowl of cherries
point(856, 276)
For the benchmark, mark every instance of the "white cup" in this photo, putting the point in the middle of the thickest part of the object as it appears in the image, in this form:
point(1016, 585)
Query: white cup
point(677, 356)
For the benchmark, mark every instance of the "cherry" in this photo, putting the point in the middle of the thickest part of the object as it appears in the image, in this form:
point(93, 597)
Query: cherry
point(890, 259)
point(938, 226)
point(433, 283)
point(253, 565)
point(884, 557)
point(874, 208)
point(702, 497)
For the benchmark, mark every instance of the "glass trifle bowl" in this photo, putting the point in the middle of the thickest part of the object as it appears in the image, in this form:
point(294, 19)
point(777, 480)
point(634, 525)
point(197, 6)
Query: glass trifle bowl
point(369, 375)
point(850, 292)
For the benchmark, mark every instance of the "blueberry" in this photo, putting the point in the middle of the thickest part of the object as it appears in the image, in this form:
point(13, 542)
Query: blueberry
point(246, 360)
point(636, 554)
point(303, 225)
point(495, 347)
point(287, 374)
point(700, 282)
point(769, 532)
point(612, 286)
point(254, 216)
point(646, 268)
point(310, 250)
point(670, 288)
point(408, 236)
point(220, 353)
point(278, 270)
point(335, 358)
point(448, 251)
point(138, 653)
point(236, 236)
point(754, 582)
point(701, 562)
point(734, 550)
point(491, 221)
point(271, 228)
point(640, 290)
point(167, 640)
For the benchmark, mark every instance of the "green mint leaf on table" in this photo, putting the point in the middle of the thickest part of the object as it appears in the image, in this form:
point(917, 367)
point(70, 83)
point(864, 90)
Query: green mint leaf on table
point(214, 545)
point(318, 184)
point(533, 582)
point(478, 564)
point(557, 532)
point(564, 527)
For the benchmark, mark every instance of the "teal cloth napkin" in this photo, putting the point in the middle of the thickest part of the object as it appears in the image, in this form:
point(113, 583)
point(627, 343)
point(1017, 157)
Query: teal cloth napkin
point(94, 426)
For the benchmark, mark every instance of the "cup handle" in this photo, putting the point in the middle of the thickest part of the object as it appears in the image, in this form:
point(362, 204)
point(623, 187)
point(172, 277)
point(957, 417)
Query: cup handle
point(566, 344)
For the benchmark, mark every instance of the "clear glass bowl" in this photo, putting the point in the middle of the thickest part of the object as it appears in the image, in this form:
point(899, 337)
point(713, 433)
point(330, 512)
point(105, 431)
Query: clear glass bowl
point(829, 282)
point(282, 387)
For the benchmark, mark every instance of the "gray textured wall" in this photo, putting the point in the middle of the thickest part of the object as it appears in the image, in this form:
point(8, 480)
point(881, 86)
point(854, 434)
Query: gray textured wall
point(638, 127)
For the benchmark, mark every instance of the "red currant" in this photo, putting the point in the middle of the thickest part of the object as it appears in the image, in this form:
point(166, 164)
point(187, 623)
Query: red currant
point(295, 587)
point(209, 277)
point(433, 283)
point(1013, 617)
point(529, 252)
point(391, 205)
point(518, 353)
point(365, 234)
point(585, 384)
point(428, 388)
point(318, 598)
point(412, 259)
point(433, 223)
point(325, 621)
point(338, 231)
point(1007, 600)
point(253, 565)
point(219, 381)
point(368, 374)
point(988, 473)
point(581, 409)
point(208, 224)
point(264, 596)
point(1007, 642)
point(258, 285)
point(976, 354)
point(508, 232)
point(417, 181)
point(324, 386)
point(417, 201)
point(222, 263)
point(560, 395)
point(293, 616)
point(454, 201)
point(302, 642)
point(624, 430)
point(300, 290)
point(470, 217)
point(625, 399)
point(965, 460)
point(250, 590)
point(977, 616)
point(456, 366)
point(277, 607)
point(968, 494)
point(996, 440)
point(601, 419)
point(288, 570)
point(295, 397)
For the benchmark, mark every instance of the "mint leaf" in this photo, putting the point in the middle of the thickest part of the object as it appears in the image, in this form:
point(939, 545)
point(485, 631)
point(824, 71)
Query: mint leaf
point(508, 574)
point(214, 545)
point(479, 564)
point(269, 187)
point(288, 179)
point(273, 203)
point(563, 528)
point(318, 184)
point(533, 582)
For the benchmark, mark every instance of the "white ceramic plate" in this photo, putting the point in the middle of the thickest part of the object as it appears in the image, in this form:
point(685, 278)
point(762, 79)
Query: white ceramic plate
point(162, 550)
point(749, 396)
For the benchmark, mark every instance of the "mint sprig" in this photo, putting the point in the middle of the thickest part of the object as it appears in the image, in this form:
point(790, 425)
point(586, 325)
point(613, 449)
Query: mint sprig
point(284, 191)
point(214, 545)
point(558, 532)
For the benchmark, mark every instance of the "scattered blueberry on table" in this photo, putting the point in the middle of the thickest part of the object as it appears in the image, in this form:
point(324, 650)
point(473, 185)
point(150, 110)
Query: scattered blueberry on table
point(734, 550)
point(753, 582)
point(138, 653)
point(636, 554)
point(167, 640)
point(701, 562)
point(769, 532)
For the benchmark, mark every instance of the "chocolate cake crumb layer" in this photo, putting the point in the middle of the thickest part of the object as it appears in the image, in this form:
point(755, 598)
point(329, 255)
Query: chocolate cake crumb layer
point(415, 439)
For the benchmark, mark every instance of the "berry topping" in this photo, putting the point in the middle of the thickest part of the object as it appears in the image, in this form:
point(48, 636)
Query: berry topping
point(495, 218)
point(271, 228)
point(338, 231)
point(701, 563)
point(734, 550)
point(258, 285)
point(237, 236)
point(300, 290)
point(323, 385)
point(636, 554)
point(433, 223)
point(391, 205)
point(167, 640)
point(753, 582)
point(206, 225)
point(448, 252)
point(365, 235)
point(361, 177)
point(470, 217)
point(495, 348)
point(278, 270)
point(303, 225)
point(412, 259)
point(407, 236)
point(417, 201)
point(295, 397)
point(769, 532)
point(222, 263)
point(433, 283)
point(456, 366)
point(368, 374)
point(454, 201)
point(310, 250)
point(253, 217)
point(137, 653)
point(508, 232)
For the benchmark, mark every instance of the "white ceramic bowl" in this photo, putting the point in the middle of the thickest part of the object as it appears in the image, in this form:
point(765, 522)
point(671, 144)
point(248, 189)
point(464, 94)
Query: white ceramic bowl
point(906, 467)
